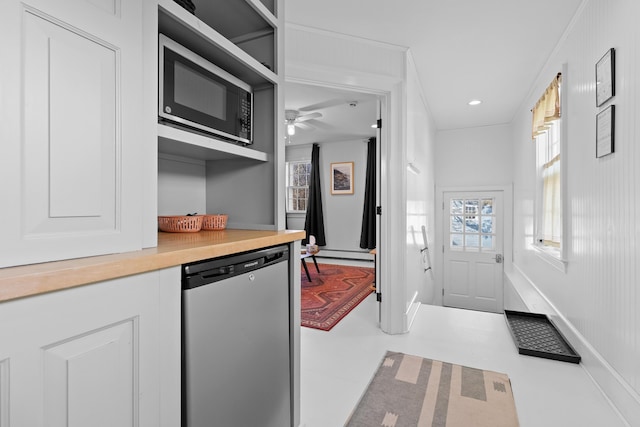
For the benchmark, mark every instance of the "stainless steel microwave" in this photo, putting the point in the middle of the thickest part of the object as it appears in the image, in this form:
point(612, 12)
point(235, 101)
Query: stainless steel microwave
point(197, 94)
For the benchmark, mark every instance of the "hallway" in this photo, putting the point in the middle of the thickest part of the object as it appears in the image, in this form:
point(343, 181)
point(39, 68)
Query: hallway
point(336, 367)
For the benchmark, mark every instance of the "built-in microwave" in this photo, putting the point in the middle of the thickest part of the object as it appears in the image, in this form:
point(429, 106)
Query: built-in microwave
point(197, 94)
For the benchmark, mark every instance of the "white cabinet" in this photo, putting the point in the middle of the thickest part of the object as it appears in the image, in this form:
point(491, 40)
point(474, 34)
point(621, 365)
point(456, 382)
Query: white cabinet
point(71, 98)
point(106, 354)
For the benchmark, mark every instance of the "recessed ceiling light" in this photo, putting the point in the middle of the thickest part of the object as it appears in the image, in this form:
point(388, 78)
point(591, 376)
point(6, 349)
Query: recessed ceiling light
point(475, 102)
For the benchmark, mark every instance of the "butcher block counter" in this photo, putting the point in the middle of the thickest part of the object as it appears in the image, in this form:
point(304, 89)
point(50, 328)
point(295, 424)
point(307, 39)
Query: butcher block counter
point(173, 249)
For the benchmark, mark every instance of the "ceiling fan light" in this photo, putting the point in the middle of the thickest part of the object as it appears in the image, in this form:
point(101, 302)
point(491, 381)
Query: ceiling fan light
point(291, 129)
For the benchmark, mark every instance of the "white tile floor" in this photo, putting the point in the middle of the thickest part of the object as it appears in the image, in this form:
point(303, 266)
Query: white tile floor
point(336, 366)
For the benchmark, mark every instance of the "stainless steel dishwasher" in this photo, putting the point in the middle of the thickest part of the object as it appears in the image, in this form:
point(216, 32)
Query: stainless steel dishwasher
point(235, 341)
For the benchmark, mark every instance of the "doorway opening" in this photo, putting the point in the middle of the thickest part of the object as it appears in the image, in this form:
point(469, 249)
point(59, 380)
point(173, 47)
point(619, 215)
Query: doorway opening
point(341, 121)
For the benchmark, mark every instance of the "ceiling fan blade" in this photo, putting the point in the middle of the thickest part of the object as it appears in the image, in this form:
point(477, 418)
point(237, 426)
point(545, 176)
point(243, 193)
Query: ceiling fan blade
point(319, 124)
point(324, 104)
point(304, 126)
point(309, 116)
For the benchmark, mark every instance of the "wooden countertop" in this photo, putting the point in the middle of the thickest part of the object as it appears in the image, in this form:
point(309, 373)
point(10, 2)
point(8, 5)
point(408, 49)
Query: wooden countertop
point(173, 249)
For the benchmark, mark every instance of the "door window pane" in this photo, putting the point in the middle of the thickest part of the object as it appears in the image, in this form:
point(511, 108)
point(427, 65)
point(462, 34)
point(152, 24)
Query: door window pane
point(456, 224)
point(487, 206)
point(471, 207)
point(487, 224)
point(472, 224)
point(457, 241)
point(456, 206)
point(472, 241)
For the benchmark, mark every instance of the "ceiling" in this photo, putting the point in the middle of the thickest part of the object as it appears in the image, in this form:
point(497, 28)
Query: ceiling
point(491, 50)
point(345, 116)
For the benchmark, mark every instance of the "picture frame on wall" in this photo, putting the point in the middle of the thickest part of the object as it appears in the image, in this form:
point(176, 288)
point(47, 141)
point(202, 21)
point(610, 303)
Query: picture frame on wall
point(605, 77)
point(605, 131)
point(342, 178)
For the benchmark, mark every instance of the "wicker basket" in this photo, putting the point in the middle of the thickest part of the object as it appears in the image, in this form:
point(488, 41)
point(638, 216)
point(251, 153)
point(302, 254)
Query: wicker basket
point(180, 223)
point(214, 222)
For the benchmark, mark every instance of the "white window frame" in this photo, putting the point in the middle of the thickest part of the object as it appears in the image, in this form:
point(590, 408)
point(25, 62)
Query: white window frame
point(289, 187)
point(557, 257)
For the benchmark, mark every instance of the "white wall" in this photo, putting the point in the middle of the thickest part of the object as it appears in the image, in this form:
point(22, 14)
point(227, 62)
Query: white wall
point(478, 156)
point(181, 185)
point(421, 142)
point(596, 300)
point(342, 213)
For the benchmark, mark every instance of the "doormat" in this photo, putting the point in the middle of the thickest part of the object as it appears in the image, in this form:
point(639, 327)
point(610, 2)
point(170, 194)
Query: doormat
point(332, 293)
point(412, 391)
point(535, 335)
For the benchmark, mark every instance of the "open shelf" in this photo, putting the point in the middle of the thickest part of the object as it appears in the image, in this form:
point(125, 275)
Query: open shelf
point(244, 38)
point(198, 36)
point(179, 142)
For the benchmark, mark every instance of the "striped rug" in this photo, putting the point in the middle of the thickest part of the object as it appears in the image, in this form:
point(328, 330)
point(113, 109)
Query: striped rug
point(410, 391)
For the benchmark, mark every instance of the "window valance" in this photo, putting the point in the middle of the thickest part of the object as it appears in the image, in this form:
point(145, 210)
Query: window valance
point(547, 109)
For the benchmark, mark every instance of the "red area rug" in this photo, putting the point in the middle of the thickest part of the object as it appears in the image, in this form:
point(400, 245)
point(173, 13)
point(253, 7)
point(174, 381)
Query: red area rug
point(333, 293)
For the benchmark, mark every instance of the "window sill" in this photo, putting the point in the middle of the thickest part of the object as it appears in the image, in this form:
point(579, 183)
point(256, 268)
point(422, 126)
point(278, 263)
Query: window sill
point(551, 256)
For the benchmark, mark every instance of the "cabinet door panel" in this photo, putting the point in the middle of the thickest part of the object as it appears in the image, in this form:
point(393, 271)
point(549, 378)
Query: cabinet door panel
point(91, 356)
point(88, 379)
point(70, 130)
point(72, 139)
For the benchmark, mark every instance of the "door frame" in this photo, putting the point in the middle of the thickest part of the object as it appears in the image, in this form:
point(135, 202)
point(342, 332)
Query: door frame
point(389, 260)
point(507, 246)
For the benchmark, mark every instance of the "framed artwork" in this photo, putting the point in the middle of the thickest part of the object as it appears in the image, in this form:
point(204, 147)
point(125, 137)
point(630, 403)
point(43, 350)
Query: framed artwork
point(606, 77)
point(605, 126)
point(342, 178)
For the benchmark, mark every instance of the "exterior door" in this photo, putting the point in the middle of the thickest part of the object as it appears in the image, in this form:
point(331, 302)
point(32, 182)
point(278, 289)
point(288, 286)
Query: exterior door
point(473, 258)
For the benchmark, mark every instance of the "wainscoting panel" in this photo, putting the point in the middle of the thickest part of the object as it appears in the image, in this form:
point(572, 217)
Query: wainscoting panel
point(598, 294)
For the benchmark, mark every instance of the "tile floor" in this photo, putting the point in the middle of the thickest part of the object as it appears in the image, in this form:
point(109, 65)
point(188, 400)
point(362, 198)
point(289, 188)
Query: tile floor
point(336, 366)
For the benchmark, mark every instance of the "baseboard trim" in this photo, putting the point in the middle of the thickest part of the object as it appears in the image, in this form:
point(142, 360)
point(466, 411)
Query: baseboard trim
point(412, 311)
point(622, 397)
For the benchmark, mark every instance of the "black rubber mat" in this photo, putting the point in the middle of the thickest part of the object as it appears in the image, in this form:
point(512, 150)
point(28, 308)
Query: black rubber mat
point(535, 335)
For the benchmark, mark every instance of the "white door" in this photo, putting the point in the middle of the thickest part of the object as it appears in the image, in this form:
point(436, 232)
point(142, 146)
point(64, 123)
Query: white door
point(473, 242)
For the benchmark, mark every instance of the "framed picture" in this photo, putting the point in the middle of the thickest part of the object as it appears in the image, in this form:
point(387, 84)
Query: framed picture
point(605, 77)
point(605, 126)
point(342, 178)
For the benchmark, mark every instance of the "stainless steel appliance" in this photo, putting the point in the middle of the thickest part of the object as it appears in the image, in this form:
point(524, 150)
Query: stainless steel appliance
point(195, 93)
point(236, 342)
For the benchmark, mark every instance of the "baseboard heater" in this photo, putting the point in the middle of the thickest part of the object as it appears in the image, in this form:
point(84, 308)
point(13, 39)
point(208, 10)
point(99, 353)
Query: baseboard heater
point(345, 254)
point(536, 335)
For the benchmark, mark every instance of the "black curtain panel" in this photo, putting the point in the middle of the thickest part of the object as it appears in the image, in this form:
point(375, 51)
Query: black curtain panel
point(314, 221)
point(368, 233)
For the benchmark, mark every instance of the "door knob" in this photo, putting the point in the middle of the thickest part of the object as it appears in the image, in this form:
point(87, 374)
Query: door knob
point(498, 258)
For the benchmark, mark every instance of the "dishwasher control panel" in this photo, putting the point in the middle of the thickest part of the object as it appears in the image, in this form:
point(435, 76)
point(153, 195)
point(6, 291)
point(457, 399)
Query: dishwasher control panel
point(212, 270)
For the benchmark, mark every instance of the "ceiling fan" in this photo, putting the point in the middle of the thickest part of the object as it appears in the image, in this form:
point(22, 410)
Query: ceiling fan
point(293, 118)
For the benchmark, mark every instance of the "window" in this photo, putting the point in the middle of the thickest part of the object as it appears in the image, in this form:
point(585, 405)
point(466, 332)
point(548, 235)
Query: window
point(548, 153)
point(298, 185)
point(547, 134)
point(472, 225)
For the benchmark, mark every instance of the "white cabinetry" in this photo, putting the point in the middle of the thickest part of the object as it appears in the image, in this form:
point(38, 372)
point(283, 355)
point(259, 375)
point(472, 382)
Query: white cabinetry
point(245, 38)
point(70, 101)
point(106, 354)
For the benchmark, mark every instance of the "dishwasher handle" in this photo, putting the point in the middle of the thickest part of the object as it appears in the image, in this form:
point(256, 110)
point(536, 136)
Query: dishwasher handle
point(216, 269)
